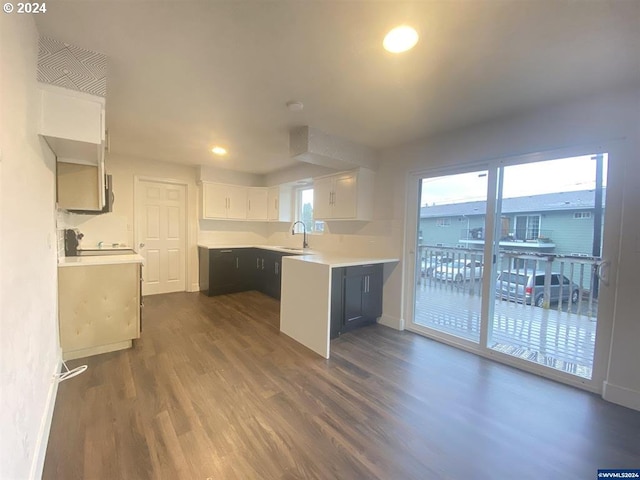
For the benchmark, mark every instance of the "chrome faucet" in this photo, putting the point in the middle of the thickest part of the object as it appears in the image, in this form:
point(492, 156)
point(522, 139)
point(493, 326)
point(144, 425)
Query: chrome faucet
point(304, 232)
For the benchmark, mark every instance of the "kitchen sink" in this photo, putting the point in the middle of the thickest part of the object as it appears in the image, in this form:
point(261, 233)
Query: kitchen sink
point(99, 252)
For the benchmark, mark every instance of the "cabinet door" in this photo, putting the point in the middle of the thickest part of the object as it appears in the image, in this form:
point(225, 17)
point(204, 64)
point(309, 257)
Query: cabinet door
point(247, 264)
point(237, 202)
point(362, 295)
point(256, 204)
point(372, 296)
point(273, 274)
point(71, 117)
point(353, 308)
point(273, 200)
point(323, 198)
point(345, 196)
point(214, 202)
point(203, 269)
point(223, 271)
point(279, 204)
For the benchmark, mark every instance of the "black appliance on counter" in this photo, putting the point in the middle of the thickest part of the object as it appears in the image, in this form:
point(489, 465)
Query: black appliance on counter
point(72, 239)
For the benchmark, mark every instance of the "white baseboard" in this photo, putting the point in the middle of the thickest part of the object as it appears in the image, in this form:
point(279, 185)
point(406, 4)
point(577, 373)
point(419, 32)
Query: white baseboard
point(195, 287)
point(42, 441)
point(622, 396)
point(391, 322)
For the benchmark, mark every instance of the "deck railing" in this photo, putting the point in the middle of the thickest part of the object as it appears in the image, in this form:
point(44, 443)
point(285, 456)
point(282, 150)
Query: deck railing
point(542, 280)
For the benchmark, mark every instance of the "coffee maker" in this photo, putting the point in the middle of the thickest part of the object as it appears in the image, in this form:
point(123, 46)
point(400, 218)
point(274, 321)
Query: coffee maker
point(72, 239)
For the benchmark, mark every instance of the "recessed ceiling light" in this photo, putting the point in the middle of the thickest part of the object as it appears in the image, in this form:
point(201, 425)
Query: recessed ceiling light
point(219, 150)
point(400, 39)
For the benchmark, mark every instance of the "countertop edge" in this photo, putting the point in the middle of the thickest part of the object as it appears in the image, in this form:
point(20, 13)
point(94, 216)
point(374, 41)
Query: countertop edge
point(84, 261)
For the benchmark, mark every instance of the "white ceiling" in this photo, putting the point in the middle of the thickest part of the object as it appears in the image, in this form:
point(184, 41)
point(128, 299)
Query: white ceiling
point(185, 75)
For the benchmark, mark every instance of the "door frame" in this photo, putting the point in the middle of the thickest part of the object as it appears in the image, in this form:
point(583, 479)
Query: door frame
point(610, 252)
point(188, 237)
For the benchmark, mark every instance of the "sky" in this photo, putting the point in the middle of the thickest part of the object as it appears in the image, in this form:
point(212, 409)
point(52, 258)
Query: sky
point(562, 175)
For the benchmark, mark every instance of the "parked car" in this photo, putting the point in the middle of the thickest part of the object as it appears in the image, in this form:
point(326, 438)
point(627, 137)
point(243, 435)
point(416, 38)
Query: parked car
point(459, 271)
point(430, 263)
point(524, 288)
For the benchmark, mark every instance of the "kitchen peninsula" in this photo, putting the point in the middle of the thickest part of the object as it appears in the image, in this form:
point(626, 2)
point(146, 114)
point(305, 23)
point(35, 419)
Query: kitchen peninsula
point(315, 295)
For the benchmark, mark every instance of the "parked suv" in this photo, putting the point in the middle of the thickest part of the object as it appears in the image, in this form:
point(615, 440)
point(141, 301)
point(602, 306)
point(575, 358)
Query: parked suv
point(522, 287)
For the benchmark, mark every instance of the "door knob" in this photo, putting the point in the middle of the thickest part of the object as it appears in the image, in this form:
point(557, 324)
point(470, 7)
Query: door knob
point(141, 245)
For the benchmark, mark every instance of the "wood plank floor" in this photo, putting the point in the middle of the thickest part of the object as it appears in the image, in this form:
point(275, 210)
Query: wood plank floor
point(214, 391)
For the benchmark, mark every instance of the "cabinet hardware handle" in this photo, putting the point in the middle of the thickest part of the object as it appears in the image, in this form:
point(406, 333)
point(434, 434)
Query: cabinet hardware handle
point(276, 267)
point(257, 263)
point(237, 263)
point(249, 204)
point(329, 198)
point(226, 251)
point(263, 264)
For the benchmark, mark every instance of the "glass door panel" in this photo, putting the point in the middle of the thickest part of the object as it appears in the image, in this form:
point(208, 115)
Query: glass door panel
point(450, 260)
point(548, 247)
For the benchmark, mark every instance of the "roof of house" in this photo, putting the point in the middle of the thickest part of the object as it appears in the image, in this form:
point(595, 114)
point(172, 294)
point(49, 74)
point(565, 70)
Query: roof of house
point(577, 200)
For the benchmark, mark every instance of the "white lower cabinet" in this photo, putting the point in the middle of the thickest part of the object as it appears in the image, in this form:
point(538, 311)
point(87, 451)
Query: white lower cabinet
point(98, 308)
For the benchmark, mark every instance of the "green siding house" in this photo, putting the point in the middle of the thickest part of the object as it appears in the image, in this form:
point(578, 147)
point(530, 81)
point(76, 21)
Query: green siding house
point(560, 223)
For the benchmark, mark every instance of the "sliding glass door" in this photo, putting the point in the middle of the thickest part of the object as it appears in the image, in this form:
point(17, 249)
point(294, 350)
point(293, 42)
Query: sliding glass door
point(507, 261)
point(549, 246)
point(450, 244)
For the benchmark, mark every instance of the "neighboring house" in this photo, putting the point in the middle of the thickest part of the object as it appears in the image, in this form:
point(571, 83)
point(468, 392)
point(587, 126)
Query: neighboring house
point(561, 223)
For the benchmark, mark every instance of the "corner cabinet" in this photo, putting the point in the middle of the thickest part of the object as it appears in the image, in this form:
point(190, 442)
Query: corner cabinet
point(356, 297)
point(279, 203)
point(344, 196)
point(73, 125)
point(232, 270)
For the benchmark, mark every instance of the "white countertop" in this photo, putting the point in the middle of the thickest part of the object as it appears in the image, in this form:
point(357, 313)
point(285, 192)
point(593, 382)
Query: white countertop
point(275, 248)
point(335, 260)
point(100, 260)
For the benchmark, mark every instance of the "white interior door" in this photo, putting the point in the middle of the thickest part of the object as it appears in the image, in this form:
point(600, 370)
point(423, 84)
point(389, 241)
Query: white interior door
point(161, 235)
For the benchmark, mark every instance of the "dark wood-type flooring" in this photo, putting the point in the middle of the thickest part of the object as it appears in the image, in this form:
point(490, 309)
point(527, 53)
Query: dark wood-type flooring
point(212, 390)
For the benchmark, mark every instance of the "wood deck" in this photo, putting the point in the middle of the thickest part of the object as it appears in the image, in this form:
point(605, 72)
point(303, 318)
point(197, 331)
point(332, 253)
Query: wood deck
point(559, 339)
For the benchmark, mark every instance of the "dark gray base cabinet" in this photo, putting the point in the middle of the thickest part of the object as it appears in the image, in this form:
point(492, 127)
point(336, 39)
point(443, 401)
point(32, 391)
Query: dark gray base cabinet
point(234, 270)
point(356, 297)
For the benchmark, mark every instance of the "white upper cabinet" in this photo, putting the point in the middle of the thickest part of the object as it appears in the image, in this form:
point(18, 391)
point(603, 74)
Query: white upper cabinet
point(73, 124)
point(344, 196)
point(221, 201)
point(323, 197)
point(279, 204)
point(256, 203)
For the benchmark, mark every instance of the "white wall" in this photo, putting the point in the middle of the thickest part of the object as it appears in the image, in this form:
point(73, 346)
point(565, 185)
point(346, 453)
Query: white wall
point(590, 122)
point(29, 349)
